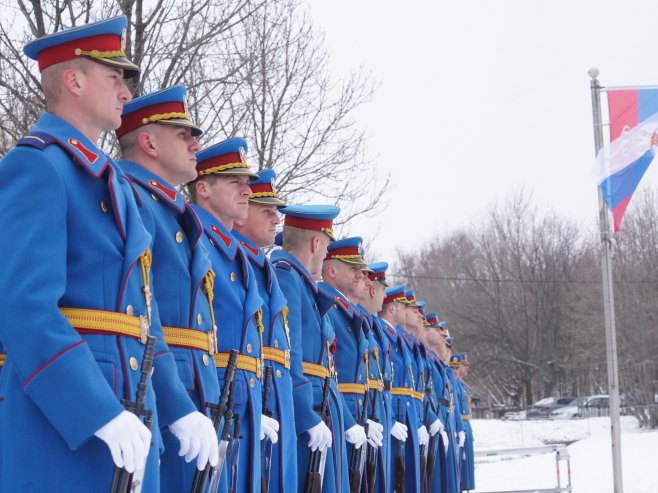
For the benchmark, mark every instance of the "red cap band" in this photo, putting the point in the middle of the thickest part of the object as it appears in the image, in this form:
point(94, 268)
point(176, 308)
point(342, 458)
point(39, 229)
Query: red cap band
point(308, 223)
point(134, 120)
point(66, 51)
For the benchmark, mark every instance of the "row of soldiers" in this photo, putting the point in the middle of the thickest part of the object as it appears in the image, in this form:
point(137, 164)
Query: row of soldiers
point(154, 335)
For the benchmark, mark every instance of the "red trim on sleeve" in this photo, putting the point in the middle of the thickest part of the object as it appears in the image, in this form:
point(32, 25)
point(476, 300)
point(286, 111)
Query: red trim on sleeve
point(47, 363)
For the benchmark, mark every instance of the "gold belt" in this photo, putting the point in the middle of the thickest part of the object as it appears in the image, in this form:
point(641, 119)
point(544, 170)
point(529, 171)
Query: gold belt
point(408, 392)
point(352, 388)
point(87, 321)
point(2, 359)
point(277, 355)
point(315, 370)
point(466, 416)
point(189, 338)
point(375, 384)
point(246, 363)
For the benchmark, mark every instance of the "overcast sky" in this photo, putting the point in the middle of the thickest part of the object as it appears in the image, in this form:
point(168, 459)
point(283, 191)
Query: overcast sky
point(480, 98)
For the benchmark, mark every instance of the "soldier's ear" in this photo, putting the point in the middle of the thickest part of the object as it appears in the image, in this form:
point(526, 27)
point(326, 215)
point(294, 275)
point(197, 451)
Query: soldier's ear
point(201, 190)
point(146, 144)
point(72, 80)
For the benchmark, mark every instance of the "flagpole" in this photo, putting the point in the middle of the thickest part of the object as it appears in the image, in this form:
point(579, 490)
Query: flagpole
point(608, 296)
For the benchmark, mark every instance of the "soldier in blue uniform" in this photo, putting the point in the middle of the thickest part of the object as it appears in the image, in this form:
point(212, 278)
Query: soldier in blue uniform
point(441, 480)
point(459, 362)
point(158, 143)
point(406, 425)
point(254, 233)
point(221, 193)
point(380, 365)
point(307, 232)
point(75, 296)
point(343, 279)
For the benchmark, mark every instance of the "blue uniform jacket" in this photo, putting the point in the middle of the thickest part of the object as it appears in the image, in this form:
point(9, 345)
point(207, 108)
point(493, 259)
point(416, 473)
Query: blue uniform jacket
point(404, 406)
point(380, 371)
point(236, 304)
point(310, 333)
point(283, 472)
point(180, 266)
point(72, 238)
point(467, 459)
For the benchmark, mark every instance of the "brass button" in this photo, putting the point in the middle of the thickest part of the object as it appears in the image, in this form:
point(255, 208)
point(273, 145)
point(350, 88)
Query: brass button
point(104, 206)
point(179, 237)
point(408, 404)
point(133, 363)
point(73, 141)
point(249, 347)
point(360, 402)
point(129, 310)
point(252, 382)
point(278, 373)
point(155, 197)
point(199, 319)
point(232, 276)
point(212, 242)
point(276, 343)
point(360, 377)
point(205, 359)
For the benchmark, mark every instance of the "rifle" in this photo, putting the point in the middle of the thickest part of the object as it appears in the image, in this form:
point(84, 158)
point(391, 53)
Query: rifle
point(313, 483)
point(217, 413)
point(398, 471)
point(122, 480)
point(235, 455)
point(357, 461)
point(224, 442)
point(266, 444)
point(371, 462)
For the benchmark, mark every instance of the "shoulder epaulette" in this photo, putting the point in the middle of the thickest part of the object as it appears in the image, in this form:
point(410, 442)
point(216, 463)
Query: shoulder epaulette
point(282, 264)
point(39, 140)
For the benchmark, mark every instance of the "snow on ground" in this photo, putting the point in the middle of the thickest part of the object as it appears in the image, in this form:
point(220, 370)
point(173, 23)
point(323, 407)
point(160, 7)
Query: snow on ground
point(589, 452)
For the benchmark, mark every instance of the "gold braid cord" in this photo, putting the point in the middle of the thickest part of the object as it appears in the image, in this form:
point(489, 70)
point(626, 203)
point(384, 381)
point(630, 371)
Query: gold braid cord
point(262, 194)
point(261, 329)
point(145, 264)
point(100, 55)
point(284, 314)
point(164, 116)
point(208, 286)
point(223, 167)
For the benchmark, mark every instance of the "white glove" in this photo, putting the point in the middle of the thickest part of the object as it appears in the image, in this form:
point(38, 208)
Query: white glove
point(423, 436)
point(399, 431)
point(197, 439)
point(270, 427)
point(375, 433)
point(356, 435)
point(444, 438)
point(320, 436)
point(128, 439)
point(461, 436)
point(436, 427)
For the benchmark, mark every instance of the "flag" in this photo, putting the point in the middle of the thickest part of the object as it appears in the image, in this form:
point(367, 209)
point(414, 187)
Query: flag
point(633, 116)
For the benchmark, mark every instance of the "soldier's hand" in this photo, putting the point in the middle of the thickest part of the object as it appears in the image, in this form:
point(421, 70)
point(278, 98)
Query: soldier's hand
point(269, 427)
point(356, 435)
point(197, 439)
point(462, 438)
point(128, 439)
point(423, 436)
point(444, 438)
point(436, 427)
point(375, 433)
point(400, 431)
point(320, 436)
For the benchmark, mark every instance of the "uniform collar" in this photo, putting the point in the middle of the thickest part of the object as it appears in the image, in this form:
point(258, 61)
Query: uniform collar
point(215, 230)
point(154, 184)
point(87, 154)
point(292, 260)
point(254, 253)
point(340, 299)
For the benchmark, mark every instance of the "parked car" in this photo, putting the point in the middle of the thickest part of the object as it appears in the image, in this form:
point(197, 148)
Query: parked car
point(542, 409)
point(570, 411)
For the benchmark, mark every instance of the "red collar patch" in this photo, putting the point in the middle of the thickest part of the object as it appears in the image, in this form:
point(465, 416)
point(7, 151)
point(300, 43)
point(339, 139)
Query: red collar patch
point(90, 156)
point(171, 194)
point(253, 250)
point(345, 304)
point(224, 238)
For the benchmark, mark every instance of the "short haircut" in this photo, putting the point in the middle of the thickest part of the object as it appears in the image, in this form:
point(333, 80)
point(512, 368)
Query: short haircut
point(296, 238)
point(191, 187)
point(51, 78)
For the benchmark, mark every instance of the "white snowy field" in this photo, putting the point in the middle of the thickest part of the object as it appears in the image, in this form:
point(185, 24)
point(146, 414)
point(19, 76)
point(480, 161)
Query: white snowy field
point(589, 452)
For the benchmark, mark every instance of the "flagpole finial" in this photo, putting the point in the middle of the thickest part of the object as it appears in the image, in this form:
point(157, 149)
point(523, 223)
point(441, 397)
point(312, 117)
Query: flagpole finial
point(593, 72)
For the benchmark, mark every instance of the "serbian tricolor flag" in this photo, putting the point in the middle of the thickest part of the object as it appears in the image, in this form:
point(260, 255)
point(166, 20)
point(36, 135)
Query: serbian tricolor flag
point(633, 145)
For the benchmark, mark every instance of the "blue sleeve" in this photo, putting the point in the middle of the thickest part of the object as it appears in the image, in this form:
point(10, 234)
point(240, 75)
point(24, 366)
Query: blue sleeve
point(55, 366)
point(305, 415)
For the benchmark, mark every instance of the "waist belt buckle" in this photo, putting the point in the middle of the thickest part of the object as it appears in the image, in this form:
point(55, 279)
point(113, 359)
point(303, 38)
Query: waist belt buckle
point(381, 385)
point(144, 329)
point(286, 358)
point(259, 367)
point(212, 342)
